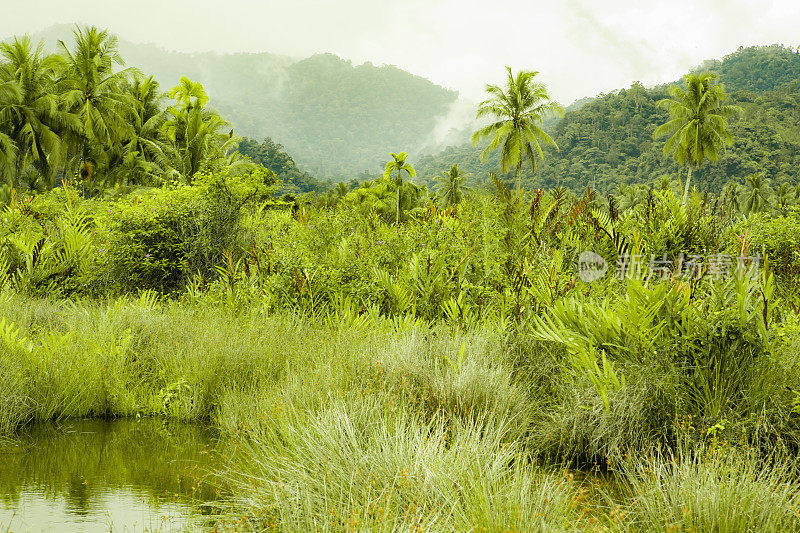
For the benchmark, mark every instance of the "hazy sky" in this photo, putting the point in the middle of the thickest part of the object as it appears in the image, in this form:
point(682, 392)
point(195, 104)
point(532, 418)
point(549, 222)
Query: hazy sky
point(580, 47)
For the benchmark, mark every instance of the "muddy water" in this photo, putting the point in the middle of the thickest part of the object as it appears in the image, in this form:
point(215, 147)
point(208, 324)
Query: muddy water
point(119, 475)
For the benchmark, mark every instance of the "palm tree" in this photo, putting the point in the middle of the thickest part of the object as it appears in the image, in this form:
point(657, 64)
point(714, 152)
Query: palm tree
point(756, 193)
point(398, 164)
point(518, 111)
point(148, 154)
point(93, 91)
point(783, 196)
point(731, 195)
point(697, 128)
point(629, 196)
point(8, 148)
point(452, 186)
point(30, 114)
point(376, 197)
point(198, 133)
point(341, 190)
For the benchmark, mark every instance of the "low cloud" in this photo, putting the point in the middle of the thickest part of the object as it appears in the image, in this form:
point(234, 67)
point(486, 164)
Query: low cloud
point(581, 47)
point(453, 129)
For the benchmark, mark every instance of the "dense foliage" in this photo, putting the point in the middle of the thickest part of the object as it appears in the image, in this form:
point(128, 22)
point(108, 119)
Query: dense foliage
point(757, 68)
point(502, 258)
point(273, 157)
point(75, 117)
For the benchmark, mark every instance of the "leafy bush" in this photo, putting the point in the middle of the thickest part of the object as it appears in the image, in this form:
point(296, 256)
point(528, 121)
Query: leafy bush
point(713, 341)
point(776, 237)
point(157, 239)
point(46, 244)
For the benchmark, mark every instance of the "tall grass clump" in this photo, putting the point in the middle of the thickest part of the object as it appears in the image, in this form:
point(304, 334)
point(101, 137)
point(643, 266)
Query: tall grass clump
point(393, 428)
point(723, 491)
point(140, 356)
point(357, 465)
point(143, 356)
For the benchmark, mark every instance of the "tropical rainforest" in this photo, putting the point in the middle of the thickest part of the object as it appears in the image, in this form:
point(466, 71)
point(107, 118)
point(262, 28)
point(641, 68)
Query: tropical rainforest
point(585, 318)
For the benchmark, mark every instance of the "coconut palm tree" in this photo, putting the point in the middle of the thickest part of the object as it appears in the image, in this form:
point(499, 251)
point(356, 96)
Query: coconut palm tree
point(93, 92)
point(452, 186)
point(148, 155)
point(783, 196)
point(30, 114)
point(198, 133)
point(756, 193)
point(697, 127)
point(398, 164)
point(518, 111)
point(8, 148)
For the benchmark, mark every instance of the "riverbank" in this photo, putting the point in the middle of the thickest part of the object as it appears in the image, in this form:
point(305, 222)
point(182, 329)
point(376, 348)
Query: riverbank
point(367, 422)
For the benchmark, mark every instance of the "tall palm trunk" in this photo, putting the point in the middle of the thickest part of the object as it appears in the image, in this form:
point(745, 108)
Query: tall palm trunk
point(686, 188)
point(399, 186)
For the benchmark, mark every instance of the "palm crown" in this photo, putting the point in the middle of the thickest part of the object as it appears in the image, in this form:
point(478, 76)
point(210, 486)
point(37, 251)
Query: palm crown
point(92, 91)
point(452, 186)
point(30, 110)
point(398, 164)
point(519, 110)
point(697, 128)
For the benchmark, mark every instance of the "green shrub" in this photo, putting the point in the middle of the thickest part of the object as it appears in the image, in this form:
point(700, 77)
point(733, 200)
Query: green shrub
point(159, 238)
point(666, 352)
point(47, 244)
point(775, 236)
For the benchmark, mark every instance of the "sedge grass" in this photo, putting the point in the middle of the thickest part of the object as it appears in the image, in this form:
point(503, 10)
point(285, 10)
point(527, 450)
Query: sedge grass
point(378, 425)
point(724, 491)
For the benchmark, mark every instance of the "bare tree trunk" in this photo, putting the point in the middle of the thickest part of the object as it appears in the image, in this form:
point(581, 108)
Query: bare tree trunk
point(686, 188)
point(399, 186)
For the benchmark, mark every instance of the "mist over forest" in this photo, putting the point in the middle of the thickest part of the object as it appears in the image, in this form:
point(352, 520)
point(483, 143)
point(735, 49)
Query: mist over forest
point(338, 120)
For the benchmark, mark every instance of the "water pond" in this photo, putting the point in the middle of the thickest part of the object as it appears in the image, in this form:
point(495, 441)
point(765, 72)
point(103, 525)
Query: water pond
point(101, 475)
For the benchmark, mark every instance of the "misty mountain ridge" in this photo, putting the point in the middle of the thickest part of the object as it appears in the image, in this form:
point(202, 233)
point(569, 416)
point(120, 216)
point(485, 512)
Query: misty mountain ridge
point(339, 120)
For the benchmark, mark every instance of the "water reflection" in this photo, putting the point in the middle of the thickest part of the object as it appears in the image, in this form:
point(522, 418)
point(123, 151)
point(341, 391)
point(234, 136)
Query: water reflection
point(93, 475)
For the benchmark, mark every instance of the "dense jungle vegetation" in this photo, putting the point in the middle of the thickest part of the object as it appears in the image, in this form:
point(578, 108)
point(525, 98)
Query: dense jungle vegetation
point(388, 355)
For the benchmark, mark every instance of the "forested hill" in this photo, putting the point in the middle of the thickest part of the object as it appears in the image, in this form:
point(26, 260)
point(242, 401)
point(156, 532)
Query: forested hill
point(757, 68)
point(337, 119)
point(609, 140)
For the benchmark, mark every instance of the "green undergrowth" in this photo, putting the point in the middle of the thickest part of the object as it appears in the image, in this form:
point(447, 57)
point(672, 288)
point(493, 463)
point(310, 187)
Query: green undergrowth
point(366, 422)
point(141, 356)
